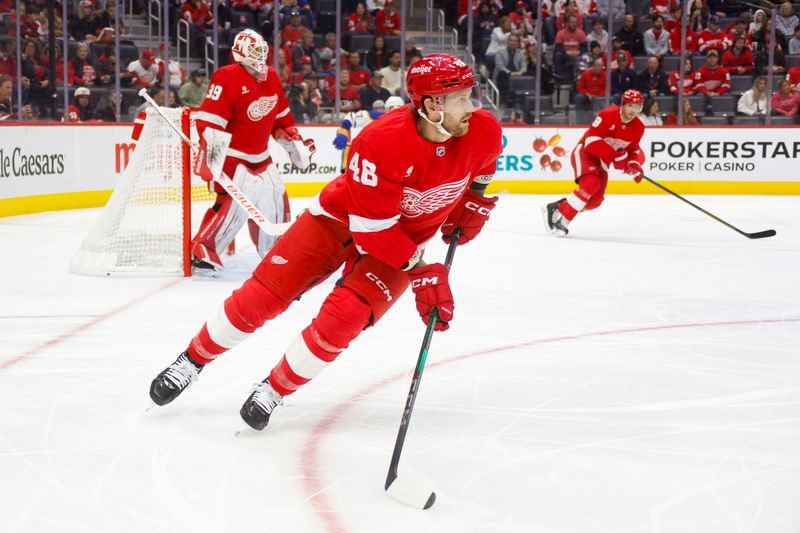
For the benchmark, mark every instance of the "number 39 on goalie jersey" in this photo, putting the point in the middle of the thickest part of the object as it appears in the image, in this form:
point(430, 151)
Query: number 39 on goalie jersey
point(399, 188)
point(246, 108)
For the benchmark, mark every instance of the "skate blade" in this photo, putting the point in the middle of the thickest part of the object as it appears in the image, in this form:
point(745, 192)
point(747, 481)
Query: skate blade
point(245, 431)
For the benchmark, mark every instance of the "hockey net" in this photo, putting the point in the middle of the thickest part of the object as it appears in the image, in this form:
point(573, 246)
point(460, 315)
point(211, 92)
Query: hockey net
point(146, 226)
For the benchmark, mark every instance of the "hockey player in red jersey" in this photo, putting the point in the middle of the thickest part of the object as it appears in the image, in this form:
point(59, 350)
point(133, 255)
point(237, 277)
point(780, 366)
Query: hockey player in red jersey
point(246, 99)
point(421, 167)
point(612, 139)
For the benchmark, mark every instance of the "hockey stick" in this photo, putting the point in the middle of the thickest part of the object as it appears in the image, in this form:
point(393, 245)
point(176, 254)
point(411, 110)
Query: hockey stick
point(270, 228)
point(416, 492)
point(756, 235)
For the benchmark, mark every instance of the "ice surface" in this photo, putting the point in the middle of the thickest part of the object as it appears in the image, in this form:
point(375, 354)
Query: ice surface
point(641, 375)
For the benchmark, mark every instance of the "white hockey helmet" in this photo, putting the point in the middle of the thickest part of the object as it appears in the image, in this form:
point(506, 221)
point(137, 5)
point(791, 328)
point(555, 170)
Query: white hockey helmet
point(250, 49)
point(393, 102)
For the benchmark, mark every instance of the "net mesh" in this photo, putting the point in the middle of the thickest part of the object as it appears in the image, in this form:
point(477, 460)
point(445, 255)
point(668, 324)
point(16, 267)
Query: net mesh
point(140, 230)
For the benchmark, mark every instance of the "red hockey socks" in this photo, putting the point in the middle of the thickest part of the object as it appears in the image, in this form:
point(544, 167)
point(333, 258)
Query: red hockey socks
point(588, 186)
point(240, 315)
point(341, 319)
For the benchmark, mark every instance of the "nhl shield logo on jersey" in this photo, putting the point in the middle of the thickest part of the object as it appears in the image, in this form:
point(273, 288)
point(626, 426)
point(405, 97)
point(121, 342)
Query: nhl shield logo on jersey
point(440, 151)
point(262, 107)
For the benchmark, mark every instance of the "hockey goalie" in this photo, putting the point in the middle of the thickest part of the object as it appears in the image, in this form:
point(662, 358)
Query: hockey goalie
point(246, 99)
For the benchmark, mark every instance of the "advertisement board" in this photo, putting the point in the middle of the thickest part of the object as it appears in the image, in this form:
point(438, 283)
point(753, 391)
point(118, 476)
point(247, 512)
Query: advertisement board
point(55, 166)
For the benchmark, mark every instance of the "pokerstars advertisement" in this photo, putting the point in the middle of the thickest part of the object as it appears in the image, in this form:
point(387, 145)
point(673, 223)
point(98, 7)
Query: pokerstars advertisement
point(675, 154)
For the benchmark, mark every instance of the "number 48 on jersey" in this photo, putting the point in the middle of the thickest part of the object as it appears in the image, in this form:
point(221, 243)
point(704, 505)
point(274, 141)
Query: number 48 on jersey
point(366, 173)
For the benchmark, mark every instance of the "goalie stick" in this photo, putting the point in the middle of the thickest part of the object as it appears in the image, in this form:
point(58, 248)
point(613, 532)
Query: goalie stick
point(270, 228)
point(416, 492)
point(756, 235)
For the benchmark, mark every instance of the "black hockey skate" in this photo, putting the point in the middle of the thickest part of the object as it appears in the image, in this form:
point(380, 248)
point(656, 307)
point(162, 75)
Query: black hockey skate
point(259, 405)
point(174, 379)
point(200, 265)
point(555, 223)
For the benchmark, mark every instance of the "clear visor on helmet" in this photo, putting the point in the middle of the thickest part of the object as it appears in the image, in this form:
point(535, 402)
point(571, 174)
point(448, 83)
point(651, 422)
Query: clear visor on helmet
point(463, 101)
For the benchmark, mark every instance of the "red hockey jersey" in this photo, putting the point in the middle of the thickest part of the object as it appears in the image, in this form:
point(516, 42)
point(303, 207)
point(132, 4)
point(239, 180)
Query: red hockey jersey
point(738, 63)
point(688, 82)
point(612, 141)
point(399, 188)
point(246, 108)
point(709, 40)
point(793, 77)
point(717, 80)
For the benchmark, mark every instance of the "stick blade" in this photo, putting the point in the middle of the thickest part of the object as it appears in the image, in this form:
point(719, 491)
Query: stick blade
point(762, 234)
point(413, 491)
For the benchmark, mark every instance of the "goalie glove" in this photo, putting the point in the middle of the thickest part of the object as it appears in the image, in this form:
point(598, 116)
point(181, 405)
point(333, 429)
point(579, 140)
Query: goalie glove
point(300, 150)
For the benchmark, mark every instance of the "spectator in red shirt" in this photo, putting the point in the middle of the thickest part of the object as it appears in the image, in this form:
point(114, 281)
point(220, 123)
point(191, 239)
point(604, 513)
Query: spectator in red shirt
point(521, 18)
point(570, 44)
point(712, 37)
point(591, 83)
point(712, 79)
point(348, 95)
point(569, 9)
point(675, 37)
point(784, 101)
point(793, 77)
point(359, 76)
point(688, 79)
point(71, 79)
point(738, 59)
point(360, 21)
point(256, 6)
point(739, 30)
point(198, 14)
point(387, 21)
point(292, 32)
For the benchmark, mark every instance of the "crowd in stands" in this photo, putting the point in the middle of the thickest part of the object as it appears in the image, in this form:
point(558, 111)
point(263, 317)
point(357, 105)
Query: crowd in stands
point(370, 56)
point(726, 43)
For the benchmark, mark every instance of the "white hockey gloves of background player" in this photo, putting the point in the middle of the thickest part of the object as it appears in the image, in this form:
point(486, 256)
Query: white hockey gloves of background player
point(300, 150)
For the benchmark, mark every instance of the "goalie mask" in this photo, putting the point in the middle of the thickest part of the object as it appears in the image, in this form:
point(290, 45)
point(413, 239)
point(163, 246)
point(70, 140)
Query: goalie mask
point(250, 50)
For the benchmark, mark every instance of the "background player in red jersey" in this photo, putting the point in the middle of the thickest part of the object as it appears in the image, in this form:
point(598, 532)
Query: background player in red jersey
point(421, 167)
point(246, 99)
point(612, 139)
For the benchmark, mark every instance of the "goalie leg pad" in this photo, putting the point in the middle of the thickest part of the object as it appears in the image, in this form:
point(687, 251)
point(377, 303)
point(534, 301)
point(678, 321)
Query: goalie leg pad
point(224, 220)
point(273, 202)
point(246, 310)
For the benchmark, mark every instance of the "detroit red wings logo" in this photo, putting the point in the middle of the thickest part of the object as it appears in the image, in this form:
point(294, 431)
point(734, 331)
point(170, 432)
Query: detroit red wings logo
point(416, 203)
point(262, 107)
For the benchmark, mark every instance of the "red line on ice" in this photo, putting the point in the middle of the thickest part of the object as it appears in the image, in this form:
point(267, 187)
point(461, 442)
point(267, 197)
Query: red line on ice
point(55, 341)
point(309, 460)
